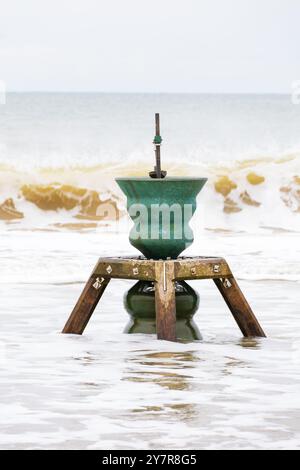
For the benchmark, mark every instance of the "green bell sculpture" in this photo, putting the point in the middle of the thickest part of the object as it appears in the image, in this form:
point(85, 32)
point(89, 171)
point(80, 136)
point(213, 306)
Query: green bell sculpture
point(161, 208)
point(161, 301)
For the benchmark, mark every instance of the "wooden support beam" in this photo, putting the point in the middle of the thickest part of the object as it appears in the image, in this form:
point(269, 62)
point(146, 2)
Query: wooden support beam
point(201, 268)
point(126, 268)
point(86, 305)
point(165, 306)
point(239, 307)
point(164, 273)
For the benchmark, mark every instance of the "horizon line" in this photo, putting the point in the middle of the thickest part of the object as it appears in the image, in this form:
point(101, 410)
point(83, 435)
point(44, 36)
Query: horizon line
point(153, 92)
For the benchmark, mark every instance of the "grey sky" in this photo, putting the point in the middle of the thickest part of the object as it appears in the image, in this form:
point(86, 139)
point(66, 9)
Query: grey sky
point(150, 45)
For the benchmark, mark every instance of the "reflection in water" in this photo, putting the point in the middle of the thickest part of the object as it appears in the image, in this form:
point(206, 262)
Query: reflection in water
point(175, 373)
point(152, 364)
point(150, 367)
point(166, 369)
point(87, 359)
point(183, 411)
point(252, 343)
point(187, 356)
point(231, 364)
point(139, 302)
point(165, 379)
point(175, 360)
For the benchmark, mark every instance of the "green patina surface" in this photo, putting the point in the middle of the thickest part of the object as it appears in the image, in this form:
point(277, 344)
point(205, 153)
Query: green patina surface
point(172, 231)
point(139, 302)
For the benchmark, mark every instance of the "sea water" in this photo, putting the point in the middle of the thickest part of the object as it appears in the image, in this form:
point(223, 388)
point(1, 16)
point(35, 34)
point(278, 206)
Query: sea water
point(59, 155)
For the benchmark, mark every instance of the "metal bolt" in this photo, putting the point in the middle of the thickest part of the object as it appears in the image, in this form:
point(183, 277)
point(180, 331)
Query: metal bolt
point(216, 268)
point(226, 283)
point(98, 283)
point(109, 269)
point(135, 271)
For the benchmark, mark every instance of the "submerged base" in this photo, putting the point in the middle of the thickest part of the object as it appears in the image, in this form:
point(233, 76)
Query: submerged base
point(139, 302)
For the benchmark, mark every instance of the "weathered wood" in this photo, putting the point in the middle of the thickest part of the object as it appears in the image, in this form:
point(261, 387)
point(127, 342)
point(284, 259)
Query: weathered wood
point(165, 306)
point(86, 305)
point(239, 307)
point(126, 268)
point(201, 268)
point(164, 274)
point(144, 270)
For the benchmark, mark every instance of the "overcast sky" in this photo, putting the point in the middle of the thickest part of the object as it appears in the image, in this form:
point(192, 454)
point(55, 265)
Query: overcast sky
point(150, 45)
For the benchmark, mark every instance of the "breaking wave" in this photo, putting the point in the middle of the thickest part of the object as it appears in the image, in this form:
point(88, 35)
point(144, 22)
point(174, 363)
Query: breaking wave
point(259, 192)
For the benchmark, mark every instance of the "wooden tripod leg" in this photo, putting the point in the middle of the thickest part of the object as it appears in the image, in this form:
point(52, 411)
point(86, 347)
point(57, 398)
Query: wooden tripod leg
point(239, 307)
point(165, 306)
point(86, 305)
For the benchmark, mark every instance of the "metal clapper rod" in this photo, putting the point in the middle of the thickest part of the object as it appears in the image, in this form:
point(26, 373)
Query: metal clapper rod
point(158, 172)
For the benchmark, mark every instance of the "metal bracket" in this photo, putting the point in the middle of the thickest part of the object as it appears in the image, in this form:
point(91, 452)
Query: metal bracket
point(216, 268)
point(109, 269)
point(226, 283)
point(98, 283)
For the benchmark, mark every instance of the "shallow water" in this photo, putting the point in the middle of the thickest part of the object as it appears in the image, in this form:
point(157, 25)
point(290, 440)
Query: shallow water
point(108, 390)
